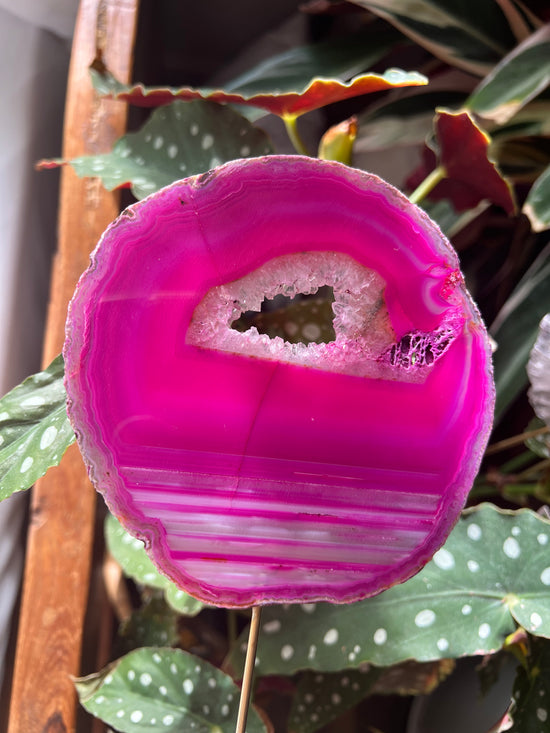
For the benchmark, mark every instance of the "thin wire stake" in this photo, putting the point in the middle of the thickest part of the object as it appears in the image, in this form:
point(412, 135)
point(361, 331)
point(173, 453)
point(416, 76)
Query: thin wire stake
point(244, 702)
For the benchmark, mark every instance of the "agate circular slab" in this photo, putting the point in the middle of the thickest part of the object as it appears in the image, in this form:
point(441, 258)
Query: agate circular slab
point(259, 471)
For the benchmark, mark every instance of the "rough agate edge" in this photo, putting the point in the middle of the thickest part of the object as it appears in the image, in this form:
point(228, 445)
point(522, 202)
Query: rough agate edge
point(256, 472)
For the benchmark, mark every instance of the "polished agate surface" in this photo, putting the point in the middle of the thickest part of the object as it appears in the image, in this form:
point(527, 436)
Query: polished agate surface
point(257, 470)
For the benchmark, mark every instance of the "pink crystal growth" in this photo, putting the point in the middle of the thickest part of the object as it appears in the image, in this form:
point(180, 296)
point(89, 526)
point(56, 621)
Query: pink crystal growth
point(259, 471)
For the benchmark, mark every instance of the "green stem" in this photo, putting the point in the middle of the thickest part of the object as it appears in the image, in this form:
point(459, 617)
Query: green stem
point(428, 184)
point(291, 124)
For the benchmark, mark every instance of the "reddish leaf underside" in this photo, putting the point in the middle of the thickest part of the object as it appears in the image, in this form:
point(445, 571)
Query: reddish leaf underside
point(318, 93)
point(464, 153)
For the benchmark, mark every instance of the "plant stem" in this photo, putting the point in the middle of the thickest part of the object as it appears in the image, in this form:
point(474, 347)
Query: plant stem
point(515, 440)
point(291, 124)
point(428, 184)
point(540, 466)
point(244, 702)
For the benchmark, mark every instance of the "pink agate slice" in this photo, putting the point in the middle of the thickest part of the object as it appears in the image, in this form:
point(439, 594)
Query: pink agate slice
point(259, 471)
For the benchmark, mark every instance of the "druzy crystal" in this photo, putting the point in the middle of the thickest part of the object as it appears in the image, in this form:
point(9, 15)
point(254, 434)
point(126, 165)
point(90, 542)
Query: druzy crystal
point(257, 470)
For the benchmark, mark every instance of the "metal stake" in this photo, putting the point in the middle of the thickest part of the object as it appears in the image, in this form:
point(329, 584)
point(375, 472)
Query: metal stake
point(246, 690)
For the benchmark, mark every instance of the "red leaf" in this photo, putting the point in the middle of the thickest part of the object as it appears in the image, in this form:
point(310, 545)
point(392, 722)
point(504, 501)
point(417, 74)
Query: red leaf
point(318, 93)
point(464, 153)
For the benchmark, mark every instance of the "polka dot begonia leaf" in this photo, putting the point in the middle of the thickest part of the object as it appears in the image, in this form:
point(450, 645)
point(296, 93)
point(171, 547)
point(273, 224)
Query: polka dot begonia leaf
point(130, 554)
point(179, 140)
point(320, 698)
point(34, 429)
point(492, 575)
point(323, 697)
point(159, 689)
point(154, 623)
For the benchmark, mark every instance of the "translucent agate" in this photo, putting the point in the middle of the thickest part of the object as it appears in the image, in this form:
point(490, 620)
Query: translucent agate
point(259, 471)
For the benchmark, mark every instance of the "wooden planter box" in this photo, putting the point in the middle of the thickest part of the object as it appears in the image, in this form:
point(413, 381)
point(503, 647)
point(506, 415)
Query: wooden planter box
point(60, 578)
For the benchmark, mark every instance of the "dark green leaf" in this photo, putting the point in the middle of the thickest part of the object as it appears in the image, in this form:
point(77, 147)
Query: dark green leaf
point(341, 58)
point(177, 141)
point(34, 429)
point(537, 204)
point(530, 709)
point(387, 132)
point(472, 36)
point(517, 79)
point(515, 330)
point(531, 121)
point(130, 554)
point(419, 102)
point(156, 689)
point(448, 218)
point(400, 123)
point(318, 92)
point(492, 574)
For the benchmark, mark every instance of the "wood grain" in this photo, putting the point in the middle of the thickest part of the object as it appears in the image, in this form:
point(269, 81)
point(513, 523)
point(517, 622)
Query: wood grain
point(61, 530)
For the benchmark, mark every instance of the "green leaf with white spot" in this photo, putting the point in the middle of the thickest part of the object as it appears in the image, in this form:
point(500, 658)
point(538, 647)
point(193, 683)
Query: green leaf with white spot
point(178, 140)
point(323, 697)
point(155, 623)
point(154, 689)
point(492, 575)
point(130, 554)
point(35, 431)
point(530, 710)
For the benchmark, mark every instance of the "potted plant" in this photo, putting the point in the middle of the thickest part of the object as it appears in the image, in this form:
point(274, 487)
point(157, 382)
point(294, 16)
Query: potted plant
point(484, 179)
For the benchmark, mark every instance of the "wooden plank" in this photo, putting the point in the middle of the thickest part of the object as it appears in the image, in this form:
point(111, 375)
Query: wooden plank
point(61, 529)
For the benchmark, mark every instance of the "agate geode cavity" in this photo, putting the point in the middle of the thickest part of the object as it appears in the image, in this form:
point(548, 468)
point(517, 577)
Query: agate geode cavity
point(256, 470)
